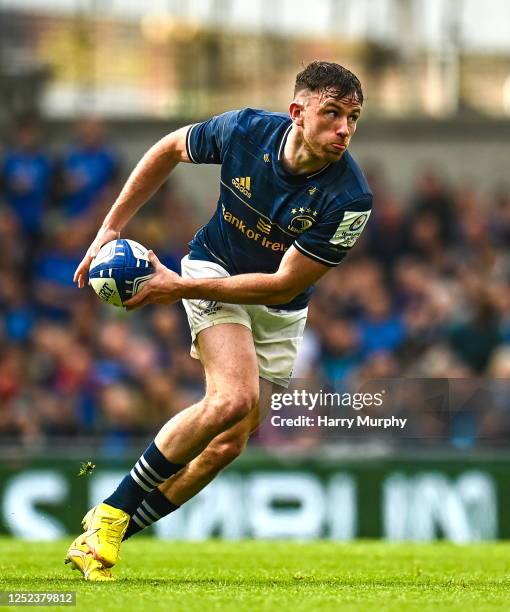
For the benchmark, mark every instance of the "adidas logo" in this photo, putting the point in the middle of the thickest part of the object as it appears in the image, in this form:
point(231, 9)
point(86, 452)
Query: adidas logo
point(264, 226)
point(243, 184)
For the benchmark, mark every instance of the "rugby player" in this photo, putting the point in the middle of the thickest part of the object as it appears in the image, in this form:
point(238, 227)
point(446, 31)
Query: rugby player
point(292, 204)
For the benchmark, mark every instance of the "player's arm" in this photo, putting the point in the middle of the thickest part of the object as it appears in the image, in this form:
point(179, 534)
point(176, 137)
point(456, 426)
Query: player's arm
point(295, 274)
point(147, 177)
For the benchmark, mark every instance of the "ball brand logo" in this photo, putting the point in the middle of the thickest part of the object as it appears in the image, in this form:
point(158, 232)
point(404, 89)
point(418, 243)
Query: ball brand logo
point(243, 184)
point(106, 292)
point(358, 222)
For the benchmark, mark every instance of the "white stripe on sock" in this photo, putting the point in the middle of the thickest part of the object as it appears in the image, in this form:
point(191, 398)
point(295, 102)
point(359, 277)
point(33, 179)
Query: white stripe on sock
point(138, 522)
point(146, 518)
point(143, 474)
point(143, 477)
point(150, 510)
point(134, 476)
point(151, 471)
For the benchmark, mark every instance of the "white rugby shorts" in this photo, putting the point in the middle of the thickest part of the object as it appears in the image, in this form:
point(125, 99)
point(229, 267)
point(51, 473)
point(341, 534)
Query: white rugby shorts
point(276, 333)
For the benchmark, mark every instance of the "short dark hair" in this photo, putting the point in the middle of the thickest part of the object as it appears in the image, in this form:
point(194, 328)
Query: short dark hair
point(320, 76)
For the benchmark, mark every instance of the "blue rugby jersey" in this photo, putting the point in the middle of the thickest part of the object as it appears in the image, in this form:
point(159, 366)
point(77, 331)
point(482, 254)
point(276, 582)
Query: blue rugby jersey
point(26, 178)
point(263, 209)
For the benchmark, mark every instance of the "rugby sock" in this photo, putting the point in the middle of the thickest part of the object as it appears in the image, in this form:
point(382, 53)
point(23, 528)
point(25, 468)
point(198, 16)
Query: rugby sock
point(154, 507)
point(149, 472)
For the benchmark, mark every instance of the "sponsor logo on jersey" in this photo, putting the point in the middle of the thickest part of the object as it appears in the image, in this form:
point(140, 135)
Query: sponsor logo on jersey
point(243, 184)
point(350, 228)
point(264, 226)
point(250, 233)
point(267, 159)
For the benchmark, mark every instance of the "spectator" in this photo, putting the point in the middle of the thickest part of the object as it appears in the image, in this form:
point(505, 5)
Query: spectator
point(89, 170)
point(54, 291)
point(26, 178)
point(381, 328)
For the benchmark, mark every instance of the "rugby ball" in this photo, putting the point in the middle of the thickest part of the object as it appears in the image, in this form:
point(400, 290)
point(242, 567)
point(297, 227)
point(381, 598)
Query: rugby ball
point(119, 271)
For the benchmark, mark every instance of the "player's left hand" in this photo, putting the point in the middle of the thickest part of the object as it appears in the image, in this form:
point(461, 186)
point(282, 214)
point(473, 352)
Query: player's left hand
point(162, 288)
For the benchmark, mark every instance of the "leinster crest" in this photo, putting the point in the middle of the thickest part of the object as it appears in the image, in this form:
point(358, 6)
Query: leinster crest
point(302, 219)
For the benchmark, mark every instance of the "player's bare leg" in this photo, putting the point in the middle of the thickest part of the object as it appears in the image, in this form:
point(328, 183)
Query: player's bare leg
point(232, 390)
point(219, 453)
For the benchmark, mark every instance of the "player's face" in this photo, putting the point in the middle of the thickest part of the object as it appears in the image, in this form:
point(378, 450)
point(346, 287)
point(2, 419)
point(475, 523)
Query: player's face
point(329, 124)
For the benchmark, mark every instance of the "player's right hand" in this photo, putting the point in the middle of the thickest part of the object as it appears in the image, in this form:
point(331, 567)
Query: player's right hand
point(104, 235)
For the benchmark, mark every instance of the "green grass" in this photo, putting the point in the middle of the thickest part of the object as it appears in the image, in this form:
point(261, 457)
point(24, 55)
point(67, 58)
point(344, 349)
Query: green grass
point(256, 576)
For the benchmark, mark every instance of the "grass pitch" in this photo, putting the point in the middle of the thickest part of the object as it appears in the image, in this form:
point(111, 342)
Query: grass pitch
point(257, 576)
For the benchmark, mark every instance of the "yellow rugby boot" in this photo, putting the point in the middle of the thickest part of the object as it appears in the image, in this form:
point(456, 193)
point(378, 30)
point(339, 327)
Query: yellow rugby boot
point(105, 527)
point(82, 560)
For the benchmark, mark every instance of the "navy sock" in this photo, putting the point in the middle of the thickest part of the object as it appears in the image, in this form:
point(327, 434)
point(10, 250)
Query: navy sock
point(149, 472)
point(154, 507)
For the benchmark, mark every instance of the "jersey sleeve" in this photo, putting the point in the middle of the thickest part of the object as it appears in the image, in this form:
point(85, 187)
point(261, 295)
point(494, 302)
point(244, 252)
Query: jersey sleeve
point(329, 241)
point(207, 142)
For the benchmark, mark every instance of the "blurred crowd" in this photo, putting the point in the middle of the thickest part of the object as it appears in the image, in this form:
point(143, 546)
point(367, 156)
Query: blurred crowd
point(424, 295)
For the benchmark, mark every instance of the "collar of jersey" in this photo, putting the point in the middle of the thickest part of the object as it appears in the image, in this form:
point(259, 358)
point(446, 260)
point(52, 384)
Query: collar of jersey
point(280, 170)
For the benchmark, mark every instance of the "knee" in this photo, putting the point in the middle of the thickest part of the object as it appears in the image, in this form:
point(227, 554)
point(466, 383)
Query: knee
point(228, 409)
point(222, 453)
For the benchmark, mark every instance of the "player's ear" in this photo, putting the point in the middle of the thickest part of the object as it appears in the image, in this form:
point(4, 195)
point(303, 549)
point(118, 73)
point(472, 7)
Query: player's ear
point(296, 112)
